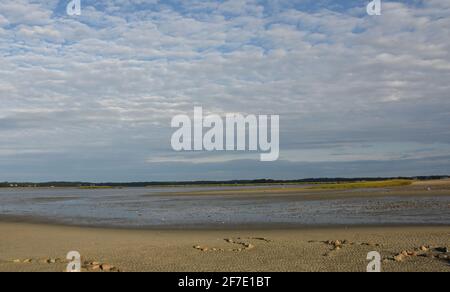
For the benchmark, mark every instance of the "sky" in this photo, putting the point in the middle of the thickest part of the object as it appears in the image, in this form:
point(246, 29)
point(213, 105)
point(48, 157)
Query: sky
point(91, 97)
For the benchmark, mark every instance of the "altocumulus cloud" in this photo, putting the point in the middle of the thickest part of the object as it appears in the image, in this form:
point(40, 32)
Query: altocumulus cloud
point(91, 97)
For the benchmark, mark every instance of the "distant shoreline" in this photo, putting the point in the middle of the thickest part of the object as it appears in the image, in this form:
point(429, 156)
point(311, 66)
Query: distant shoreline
point(213, 183)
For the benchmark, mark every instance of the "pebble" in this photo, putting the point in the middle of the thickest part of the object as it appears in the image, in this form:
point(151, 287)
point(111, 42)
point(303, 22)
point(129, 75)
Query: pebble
point(399, 258)
point(107, 268)
point(50, 261)
point(423, 248)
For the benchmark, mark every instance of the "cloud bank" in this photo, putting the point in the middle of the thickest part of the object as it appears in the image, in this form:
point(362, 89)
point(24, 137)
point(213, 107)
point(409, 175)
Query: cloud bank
point(91, 97)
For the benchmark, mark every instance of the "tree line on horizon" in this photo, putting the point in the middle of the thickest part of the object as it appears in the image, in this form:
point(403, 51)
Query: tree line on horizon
point(230, 182)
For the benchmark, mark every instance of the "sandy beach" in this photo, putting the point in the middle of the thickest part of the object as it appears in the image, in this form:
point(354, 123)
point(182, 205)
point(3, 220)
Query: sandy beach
point(33, 247)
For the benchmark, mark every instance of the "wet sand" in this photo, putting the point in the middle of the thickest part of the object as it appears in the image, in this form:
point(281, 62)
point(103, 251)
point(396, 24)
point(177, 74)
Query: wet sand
point(34, 247)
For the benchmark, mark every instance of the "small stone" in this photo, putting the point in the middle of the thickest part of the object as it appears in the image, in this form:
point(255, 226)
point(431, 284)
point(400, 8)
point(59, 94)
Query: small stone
point(337, 248)
point(204, 249)
point(96, 267)
point(404, 253)
point(107, 268)
point(50, 261)
point(229, 240)
point(17, 261)
point(27, 261)
point(423, 248)
point(197, 247)
point(399, 258)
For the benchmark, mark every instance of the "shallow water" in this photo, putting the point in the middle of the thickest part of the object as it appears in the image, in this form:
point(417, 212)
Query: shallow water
point(148, 207)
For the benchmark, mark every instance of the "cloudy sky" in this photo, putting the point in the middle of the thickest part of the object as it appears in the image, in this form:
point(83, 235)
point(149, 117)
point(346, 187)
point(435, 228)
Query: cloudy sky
point(91, 97)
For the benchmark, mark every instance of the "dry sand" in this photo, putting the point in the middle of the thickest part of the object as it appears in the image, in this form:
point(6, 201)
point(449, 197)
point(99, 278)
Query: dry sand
point(245, 250)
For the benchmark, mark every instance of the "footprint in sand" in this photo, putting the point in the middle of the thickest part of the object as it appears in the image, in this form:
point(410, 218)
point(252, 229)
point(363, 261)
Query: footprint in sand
point(243, 243)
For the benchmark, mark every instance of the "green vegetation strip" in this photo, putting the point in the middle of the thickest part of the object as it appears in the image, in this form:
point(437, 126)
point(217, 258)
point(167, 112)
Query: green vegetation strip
point(363, 185)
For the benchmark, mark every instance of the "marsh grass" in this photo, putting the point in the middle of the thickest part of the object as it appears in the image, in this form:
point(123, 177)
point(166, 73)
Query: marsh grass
point(363, 185)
